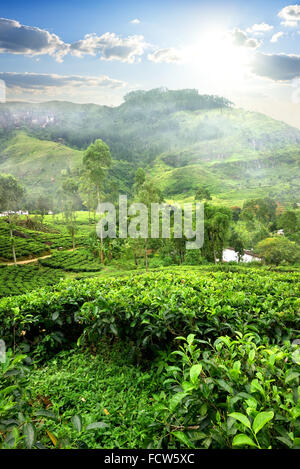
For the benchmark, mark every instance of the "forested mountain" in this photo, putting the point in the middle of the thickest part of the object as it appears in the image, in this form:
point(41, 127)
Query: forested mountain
point(182, 138)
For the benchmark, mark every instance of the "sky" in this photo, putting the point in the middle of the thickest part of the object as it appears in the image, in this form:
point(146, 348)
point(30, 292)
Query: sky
point(96, 51)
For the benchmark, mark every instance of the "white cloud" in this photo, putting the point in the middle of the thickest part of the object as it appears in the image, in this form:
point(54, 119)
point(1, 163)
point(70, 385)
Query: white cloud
point(42, 81)
point(110, 47)
point(168, 55)
point(135, 21)
point(290, 15)
point(276, 36)
point(240, 38)
point(289, 24)
point(260, 28)
point(16, 38)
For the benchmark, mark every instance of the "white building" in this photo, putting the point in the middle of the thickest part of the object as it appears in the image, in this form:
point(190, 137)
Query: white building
point(230, 255)
point(10, 212)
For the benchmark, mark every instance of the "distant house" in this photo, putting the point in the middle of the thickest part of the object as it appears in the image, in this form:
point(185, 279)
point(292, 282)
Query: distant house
point(10, 212)
point(230, 255)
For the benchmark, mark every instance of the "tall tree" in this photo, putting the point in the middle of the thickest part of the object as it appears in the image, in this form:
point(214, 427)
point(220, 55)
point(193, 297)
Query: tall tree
point(139, 179)
point(288, 221)
point(11, 194)
point(148, 193)
point(70, 190)
point(216, 229)
point(96, 161)
point(202, 193)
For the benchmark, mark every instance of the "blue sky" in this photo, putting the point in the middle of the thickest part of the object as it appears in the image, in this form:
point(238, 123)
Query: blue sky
point(97, 51)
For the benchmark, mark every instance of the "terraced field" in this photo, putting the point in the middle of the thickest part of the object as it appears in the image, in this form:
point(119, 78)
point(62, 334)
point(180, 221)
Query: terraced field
point(73, 261)
point(16, 280)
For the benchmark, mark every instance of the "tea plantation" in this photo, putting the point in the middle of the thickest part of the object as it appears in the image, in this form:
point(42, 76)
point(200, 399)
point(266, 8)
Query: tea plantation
point(210, 360)
point(33, 243)
point(15, 280)
point(74, 261)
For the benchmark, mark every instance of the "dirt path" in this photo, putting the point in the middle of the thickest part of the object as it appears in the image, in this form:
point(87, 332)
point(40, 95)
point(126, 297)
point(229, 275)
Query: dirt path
point(28, 261)
point(35, 259)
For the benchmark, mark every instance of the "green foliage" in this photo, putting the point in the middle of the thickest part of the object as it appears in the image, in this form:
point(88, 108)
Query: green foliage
point(30, 416)
point(14, 428)
point(216, 230)
point(233, 392)
point(11, 192)
point(278, 250)
point(80, 260)
point(96, 160)
point(233, 383)
point(186, 139)
point(202, 193)
point(264, 210)
point(16, 280)
point(289, 222)
point(151, 309)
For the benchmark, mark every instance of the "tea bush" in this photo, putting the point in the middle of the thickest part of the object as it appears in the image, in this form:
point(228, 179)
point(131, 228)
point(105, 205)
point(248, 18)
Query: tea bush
point(152, 309)
point(231, 393)
point(23, 248)
point(73, 261)
point(52, 407)
point(15, 280)
point(234, 383)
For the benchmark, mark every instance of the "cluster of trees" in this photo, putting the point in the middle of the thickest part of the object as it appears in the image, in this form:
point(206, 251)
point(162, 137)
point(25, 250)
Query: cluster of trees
point(162, 99)
point(240, 228)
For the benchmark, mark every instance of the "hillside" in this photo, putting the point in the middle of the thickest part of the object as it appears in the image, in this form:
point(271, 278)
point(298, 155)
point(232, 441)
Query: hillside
point(183, 139)
point(37, 163)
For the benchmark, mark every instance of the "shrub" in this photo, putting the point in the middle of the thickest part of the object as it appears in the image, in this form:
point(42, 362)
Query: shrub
point(233, 392)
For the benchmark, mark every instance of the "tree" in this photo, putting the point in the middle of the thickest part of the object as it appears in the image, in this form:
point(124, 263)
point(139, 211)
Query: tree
point(148, 193)
point(277, 250)
point(288, 222)
point(11, 194)
point(70, 190)
point(139, 179)
point(216, 230)
point(236, 211)
point(88, 194)
point(264, 210)
point(96, 161)
point(202, 193)
point(237, 244)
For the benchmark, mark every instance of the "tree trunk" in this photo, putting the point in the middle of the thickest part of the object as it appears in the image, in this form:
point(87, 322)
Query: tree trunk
point(12, 241)
point(213, 248)
point(146, 257)
point(101, 234)
point(89, 205)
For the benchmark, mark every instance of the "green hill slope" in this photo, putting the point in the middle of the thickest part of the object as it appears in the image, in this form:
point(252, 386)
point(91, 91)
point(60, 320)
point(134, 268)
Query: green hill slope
point(181, 138)
point(37, 163)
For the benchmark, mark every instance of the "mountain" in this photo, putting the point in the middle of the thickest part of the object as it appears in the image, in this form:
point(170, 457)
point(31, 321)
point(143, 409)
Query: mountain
point(181, 138)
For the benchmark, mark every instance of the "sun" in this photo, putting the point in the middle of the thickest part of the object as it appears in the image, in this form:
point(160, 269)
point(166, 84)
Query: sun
point(214, 54)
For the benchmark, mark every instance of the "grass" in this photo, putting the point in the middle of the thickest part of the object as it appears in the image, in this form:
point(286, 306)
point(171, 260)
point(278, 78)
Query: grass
point(37, 163)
